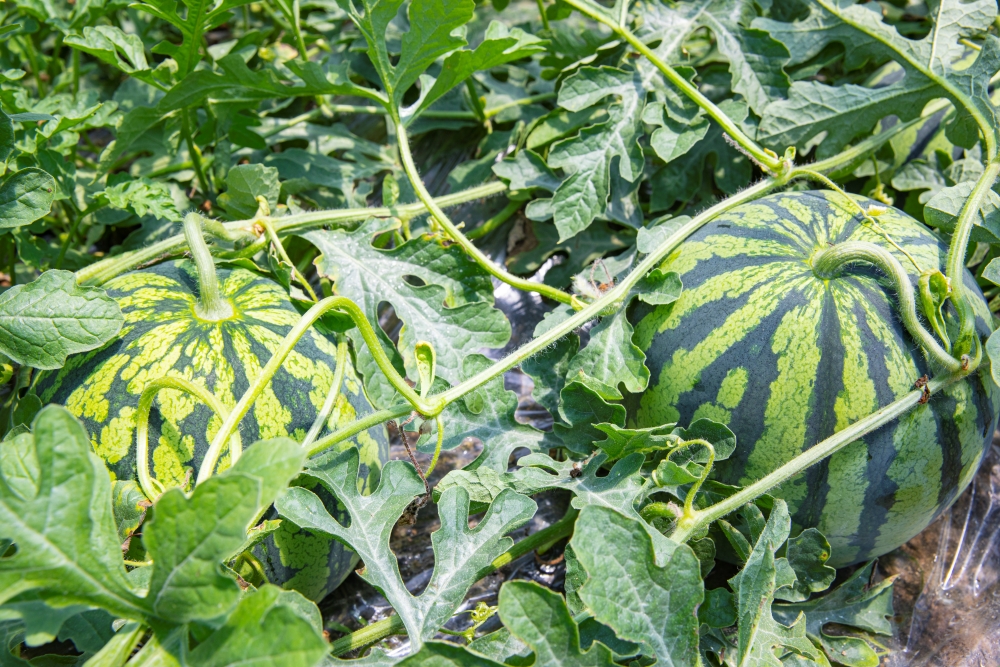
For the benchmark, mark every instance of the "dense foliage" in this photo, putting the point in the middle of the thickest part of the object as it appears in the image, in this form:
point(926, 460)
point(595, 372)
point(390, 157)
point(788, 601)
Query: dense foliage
point(357, 183)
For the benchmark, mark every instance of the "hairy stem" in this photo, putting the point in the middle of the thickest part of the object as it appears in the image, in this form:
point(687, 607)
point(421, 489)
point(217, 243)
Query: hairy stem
point(828, 263)
point(149, 485)
point(762, 156)
point(815, 454)
point(211, 306)
point(359, 425)
point(195, 153)
point(955, 263)
point(468, 246)
point(493, 223)
point(331, 398)
point(103, 271)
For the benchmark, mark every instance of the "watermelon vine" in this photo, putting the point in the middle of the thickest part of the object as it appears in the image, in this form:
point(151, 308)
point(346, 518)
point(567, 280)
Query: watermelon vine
point(265, 274)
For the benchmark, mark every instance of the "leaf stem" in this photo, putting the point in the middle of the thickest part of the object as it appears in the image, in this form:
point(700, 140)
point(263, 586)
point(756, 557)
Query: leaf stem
point(297, 28)
point(331, 397)
point(501, 217)
point(195, 153)
point(359, 425)
point(762, 156)
point(103, 271)
point(393, 625)
point(439, 425)
point(453, 232)
point(955, 262)
point(541, 12)
point(818, 452)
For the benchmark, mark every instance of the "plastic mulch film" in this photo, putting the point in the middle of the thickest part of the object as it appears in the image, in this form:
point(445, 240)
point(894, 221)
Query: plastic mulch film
point(948, 593)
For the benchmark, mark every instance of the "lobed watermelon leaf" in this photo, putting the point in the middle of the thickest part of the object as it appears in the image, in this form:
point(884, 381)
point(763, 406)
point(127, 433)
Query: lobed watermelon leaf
point(459, 553)
point(844, 112)
point(452, 309)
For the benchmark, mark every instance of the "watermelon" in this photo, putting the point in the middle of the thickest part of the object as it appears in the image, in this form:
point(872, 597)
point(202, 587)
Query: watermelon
point(757, 341)
point(163, 336)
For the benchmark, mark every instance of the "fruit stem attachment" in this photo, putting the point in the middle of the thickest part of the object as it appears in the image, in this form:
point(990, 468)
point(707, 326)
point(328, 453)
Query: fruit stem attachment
point(815, 454)
point(211, 306)
point(829, 262)
point(149, 485)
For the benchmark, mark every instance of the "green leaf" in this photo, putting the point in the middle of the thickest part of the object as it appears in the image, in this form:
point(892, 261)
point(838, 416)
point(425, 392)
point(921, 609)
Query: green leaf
point(25, 196)
point(6, 136)
point(500, 45)
point(807, 554)
point(430, 36)
point(942, 211)
point(846, 111)
point(453, 310)
point(444, 654)
point(200, 17)
point(111, 45)
point(588, 157)
point(759, 634)
point(526, 170)
point(755, 58)
point(673, 138)
point(492, 422)
point(187, 538)
point(540, 619)
point(459, 553)
point(144, 196)
point(852, 604)
point(89, 630)
point(581, 406)
point(244, 184)
point(621, 442)
point(643, 596)
point(269, 626)
point(682, 179)
point(611, 359)
point(45, 321)
point(129, 505)
point(55, 506)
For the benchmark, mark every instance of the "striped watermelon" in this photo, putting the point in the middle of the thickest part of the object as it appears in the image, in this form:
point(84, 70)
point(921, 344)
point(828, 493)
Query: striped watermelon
point(164, 337)
point(786, 359)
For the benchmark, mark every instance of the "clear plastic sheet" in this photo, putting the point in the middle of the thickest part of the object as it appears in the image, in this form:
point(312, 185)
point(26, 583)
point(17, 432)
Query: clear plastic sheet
point(948, 591)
